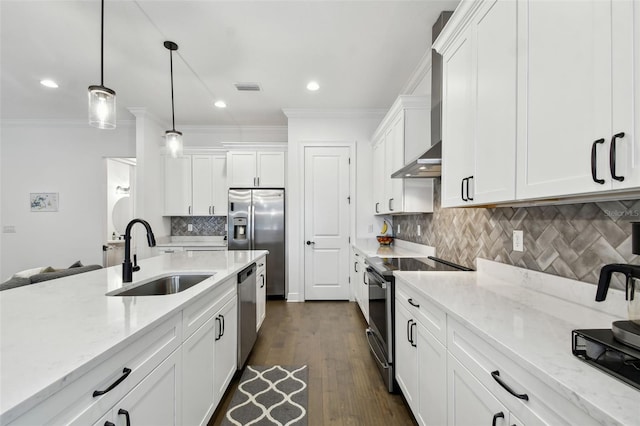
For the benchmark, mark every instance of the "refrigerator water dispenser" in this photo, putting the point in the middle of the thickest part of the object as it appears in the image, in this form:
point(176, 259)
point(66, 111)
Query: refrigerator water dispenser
point(239, 228)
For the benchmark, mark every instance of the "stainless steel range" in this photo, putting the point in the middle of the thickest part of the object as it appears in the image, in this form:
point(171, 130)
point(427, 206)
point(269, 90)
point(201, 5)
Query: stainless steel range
point(380, 333)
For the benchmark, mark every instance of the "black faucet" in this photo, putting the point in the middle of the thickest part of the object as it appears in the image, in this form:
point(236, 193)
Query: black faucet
point(127, 267)
point(631, 272)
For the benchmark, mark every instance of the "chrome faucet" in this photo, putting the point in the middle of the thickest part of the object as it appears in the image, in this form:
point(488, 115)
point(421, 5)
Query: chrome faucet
point(127, 267)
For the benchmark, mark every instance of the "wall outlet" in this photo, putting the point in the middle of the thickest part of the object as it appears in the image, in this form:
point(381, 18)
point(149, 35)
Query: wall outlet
point(190, 227)
point(370, 229)
point(9, 229)
point(419, 231)
point(518, 240)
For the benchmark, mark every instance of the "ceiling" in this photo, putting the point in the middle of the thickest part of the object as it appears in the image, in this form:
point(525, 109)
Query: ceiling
point(361, 53)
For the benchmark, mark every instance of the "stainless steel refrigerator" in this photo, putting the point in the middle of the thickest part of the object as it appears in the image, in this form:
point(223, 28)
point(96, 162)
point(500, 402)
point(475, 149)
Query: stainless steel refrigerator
point(256, 222)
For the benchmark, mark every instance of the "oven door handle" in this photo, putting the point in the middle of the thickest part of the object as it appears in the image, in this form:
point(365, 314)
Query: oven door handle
point(370, 336)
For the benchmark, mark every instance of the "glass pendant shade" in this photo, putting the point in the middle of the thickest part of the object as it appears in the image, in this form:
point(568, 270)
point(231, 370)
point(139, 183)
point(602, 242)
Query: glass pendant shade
point(173, 142)
point(102, 107)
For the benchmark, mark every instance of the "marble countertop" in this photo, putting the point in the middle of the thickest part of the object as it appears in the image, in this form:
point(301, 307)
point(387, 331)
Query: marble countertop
point(400, 248)
point(53, 332)
point(189, 241)
point(533, 327)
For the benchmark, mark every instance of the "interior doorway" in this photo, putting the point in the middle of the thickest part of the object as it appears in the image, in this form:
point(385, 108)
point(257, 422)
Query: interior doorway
point(121, 177)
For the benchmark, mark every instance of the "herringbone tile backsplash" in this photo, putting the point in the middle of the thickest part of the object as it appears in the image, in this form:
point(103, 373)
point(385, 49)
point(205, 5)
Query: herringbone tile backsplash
point(202, 226)
point(573, 240)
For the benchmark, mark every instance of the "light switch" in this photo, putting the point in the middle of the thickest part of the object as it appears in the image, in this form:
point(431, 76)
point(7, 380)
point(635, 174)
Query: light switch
point(518, 240)
point(9, 229)
point(190, 227)
point(419, 231)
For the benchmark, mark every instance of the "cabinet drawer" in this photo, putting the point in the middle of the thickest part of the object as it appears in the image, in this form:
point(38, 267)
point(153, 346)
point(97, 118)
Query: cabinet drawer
point(75, 404)
point(543, 404)
point(429, 315)
point(196, 314)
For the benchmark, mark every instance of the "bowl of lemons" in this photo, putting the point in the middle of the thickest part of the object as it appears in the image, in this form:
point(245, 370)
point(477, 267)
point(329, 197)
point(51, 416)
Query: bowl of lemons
point(384, 239)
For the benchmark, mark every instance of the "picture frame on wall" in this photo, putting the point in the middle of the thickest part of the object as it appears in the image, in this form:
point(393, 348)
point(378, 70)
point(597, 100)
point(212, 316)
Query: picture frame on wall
point(44, 201)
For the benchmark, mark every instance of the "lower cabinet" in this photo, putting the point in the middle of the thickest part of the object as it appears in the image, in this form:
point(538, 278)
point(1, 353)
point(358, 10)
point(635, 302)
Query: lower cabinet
point(154, 401)
point(358, 279)
point(261, 292)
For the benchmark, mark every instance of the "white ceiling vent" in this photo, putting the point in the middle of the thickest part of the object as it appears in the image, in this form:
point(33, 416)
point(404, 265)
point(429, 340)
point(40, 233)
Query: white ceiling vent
point(247, 87)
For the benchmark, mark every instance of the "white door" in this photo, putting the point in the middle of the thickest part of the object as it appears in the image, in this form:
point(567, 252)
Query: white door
point(326, 223)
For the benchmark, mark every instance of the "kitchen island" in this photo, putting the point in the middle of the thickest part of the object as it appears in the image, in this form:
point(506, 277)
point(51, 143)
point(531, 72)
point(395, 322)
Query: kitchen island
point(54, 334)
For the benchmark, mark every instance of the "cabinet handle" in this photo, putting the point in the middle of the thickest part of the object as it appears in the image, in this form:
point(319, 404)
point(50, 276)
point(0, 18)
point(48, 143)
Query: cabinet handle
point(469, 197)
point(462, 190)
point(213, 209)
point(355, 266)
point(263, 280)
point(377, 211)
point(125, 373)
point(497, 416)
point(310, 243)
point(612, 156)
point(218, 335)
point(222, 316)
point(412, 303)
point(594, 160)
point(108, 423)
point(189, 210)
point(258, 180)
point(125, 413)
point(364, 278)
point(390, 201)
point(413, 342)
point(496, 377)
point(260, 264)
point(408, 332)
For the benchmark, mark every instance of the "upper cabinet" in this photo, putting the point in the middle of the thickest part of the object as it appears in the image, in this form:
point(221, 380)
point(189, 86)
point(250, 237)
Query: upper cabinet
point(405, 125)
point(479, 105)
point(249, 169)
point(540, 101)
point(195, 185)
point(576, 126)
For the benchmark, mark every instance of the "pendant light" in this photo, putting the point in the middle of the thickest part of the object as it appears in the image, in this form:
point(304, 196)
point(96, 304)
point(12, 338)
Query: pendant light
point(102, 100)
point(173, 138)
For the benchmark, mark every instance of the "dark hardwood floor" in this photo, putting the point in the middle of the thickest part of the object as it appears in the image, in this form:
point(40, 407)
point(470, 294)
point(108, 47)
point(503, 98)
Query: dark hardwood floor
point(345, 387)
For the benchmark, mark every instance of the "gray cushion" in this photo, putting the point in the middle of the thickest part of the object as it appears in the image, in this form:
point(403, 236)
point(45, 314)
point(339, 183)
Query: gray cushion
point(64, 273)
point(14, 282)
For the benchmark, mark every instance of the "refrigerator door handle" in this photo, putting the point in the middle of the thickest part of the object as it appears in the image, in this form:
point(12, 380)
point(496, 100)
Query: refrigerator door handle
point(252, 214)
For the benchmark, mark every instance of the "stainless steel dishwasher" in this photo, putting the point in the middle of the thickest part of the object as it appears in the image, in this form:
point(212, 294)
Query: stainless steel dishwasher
point(246, 313)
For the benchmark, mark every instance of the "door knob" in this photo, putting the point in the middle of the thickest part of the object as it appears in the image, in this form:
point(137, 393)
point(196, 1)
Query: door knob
point(310, 242)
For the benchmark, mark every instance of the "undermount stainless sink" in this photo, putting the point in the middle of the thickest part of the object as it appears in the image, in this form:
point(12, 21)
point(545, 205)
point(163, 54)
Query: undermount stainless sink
point(170, 284)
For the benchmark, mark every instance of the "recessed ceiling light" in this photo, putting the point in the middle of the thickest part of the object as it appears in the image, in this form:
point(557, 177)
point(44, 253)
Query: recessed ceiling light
point(423, 168)
point(408, 174)
point(49, 83)
point(220, 104)
point(313, 86)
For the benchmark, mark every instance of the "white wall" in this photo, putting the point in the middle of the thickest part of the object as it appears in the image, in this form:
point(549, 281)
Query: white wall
point(118, 174)
point(62, 157)
point(214, 136)
point(326, 127)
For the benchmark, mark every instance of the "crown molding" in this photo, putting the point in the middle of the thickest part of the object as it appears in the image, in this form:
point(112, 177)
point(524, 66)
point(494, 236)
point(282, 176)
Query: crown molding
point(142, 112)
point(419, 73)
point(64, 123)
point(253, 146)
point(352, 113)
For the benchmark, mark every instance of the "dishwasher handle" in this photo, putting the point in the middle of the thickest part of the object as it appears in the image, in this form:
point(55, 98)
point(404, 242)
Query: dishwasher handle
point(246, 273)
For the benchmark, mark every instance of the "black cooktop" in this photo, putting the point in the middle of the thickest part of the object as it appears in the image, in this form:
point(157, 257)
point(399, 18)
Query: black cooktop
point(386, 266)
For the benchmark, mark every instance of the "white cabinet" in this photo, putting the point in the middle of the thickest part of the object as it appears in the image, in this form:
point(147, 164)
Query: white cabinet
point(248, 169)
point(261, 292)
point(406, 124)
point(225, 349)
point(479, 104)
point(358, 279)
point(155, 401)
point(421, 358)
point(196, 186)
point(177, 186)
point(568, 119)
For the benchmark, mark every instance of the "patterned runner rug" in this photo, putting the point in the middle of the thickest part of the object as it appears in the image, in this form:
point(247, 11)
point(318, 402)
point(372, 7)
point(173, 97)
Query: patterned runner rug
point(275, 395)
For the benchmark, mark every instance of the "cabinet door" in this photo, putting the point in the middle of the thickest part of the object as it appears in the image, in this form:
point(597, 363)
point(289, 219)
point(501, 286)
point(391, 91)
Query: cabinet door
point(396, 160)
point(156, 400)
point(241, 166)
point(389, 146)
point(220, 202)
point(202, 175)
point(469, 402)
point(270, 169)
point(457, 122)
point(177, 186)
point(380, 205)
point(364, 289)
point(261, 292)
point(564, 101)
point(406, 360)
point(432, 379)
point(496, 75)
point(225, 347)
point(198, 390)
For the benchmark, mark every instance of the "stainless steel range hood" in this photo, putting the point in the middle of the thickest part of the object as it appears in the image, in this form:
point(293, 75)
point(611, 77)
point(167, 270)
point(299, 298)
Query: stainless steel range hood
point(429, 164)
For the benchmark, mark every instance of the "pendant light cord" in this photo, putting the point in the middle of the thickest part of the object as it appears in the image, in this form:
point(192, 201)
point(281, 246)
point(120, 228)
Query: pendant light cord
point(173, 116)
point(102, 45)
